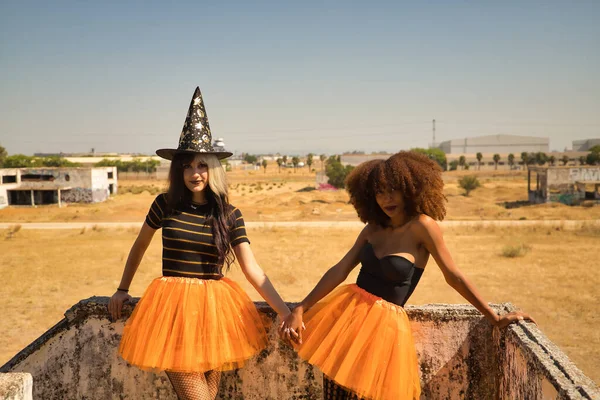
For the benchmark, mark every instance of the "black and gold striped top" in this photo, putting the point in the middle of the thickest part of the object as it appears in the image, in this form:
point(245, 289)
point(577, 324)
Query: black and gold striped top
point(188, 245)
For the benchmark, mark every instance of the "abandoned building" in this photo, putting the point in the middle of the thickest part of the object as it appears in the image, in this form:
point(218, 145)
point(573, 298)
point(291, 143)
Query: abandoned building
point(40, 186)
point(567, 185)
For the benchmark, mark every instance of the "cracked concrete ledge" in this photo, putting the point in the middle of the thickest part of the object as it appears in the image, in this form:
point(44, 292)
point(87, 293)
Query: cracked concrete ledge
point(461, 356)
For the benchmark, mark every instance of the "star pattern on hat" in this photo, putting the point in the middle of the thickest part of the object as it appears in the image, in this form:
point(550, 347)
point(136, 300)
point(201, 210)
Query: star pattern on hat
point(196, 135)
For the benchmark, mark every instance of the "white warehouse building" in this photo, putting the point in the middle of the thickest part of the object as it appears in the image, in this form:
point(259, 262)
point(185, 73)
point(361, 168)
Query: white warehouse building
point(501, 144)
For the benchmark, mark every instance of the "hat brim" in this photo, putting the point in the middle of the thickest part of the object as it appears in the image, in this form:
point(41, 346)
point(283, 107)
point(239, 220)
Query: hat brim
point(170, 153)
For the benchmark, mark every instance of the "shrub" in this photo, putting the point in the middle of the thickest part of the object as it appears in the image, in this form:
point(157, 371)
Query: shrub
point(515, 251)
point(469, 183)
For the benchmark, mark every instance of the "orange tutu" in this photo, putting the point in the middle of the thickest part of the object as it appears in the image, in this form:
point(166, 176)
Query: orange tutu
point(363, 343)
point(192, 325)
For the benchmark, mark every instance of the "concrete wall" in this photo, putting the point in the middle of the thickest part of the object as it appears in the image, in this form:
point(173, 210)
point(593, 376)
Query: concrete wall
point(16, 386)
point(461, 357)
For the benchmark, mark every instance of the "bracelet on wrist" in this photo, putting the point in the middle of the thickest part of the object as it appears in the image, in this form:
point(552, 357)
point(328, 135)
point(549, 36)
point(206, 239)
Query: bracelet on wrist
point(122, 290)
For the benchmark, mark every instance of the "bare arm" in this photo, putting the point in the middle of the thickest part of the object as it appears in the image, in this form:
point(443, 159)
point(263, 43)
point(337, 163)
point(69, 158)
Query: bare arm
point(133, 261)
point(433, 241)
point(336, 274)
point(292, 327)
point(257, 277)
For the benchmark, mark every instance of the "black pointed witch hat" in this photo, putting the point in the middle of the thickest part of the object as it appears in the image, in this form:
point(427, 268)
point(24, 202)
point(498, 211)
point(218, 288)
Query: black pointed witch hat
point(195, 136)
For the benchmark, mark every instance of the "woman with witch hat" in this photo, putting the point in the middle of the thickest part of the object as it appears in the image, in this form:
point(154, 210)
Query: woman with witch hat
point(192, 322)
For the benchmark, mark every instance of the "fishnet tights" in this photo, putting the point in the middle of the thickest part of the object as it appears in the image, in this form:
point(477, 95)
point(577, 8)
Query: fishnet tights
point(195, 385)
point(331, 391)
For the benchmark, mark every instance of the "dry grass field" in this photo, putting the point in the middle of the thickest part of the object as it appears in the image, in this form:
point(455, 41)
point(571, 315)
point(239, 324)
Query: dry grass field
point(45, 272)
point(287, 196)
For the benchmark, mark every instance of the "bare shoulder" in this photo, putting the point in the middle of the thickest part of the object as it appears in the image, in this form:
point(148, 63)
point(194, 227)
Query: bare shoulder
point(424, 224)
point(366, 232)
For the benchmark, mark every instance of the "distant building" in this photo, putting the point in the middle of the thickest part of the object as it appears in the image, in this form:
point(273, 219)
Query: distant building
point(219, 145)
point(567, 185)
point(39, 186)
point(585, 144)
point(496, 144)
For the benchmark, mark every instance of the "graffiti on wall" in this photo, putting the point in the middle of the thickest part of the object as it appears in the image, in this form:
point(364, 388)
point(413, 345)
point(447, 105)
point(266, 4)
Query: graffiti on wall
point(584, 174)
point(565, 198)
point(77, 195)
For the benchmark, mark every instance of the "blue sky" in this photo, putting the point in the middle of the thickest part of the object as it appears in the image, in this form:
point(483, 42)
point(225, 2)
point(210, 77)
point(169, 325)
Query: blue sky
point(296, 78)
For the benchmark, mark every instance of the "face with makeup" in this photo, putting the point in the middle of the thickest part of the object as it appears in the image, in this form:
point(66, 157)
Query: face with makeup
point(195, 175)
point(391, 202)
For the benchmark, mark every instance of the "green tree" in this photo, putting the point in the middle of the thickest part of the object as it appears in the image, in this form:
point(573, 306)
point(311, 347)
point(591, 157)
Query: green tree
point(437, 155)
point(322, 157)
point(525, 158)
point(264, 165)
point(250, 159)
point(284, 160)
point(496, 159)
point(20, 161)
point(309, 160)
point(453, 165)
point(479, 158)
point(295, 161)
point(3, 155)
point(56, 161)
point(593, 158)
point(552, 160)
point(469, 183)
point(511, 160)
point(541, 158)
point(279, 161)
point(565, 159)
point(462, 161)
point(582, 160)
point(336, 172)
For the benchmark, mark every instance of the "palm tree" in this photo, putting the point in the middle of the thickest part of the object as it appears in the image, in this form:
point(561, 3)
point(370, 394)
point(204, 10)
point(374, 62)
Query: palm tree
point(496, 159)
point(309, 160)
point(279, 161)
point(285, 160)
point(295, 161)
point(264, 165)
point(462, 161)
point(511, 160)
point(479, 157)
point(552, 160)
point(322, 157)
point(541, 158)
point(525, 158)
point(565, 159)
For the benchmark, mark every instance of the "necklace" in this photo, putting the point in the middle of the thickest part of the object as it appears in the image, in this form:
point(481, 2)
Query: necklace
point(196, 205)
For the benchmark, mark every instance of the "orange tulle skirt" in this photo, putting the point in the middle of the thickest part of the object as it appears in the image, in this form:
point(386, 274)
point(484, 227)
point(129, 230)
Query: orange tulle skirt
point(192, 325)
point(363, 343)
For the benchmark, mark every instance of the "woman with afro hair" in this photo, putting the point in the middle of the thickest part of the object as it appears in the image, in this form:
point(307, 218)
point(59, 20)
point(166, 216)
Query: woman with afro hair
point(359, 335)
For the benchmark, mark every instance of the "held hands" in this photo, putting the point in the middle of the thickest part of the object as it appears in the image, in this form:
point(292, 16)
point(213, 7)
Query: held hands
point(292, 326)
point(115, 305)
point(515, 316)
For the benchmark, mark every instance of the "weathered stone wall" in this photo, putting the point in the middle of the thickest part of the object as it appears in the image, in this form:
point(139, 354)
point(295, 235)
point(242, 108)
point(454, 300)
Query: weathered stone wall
point(461, 357)
point(16, 386)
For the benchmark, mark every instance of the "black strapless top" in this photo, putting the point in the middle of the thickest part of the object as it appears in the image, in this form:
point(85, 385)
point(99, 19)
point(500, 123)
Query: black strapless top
point(393, 278)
